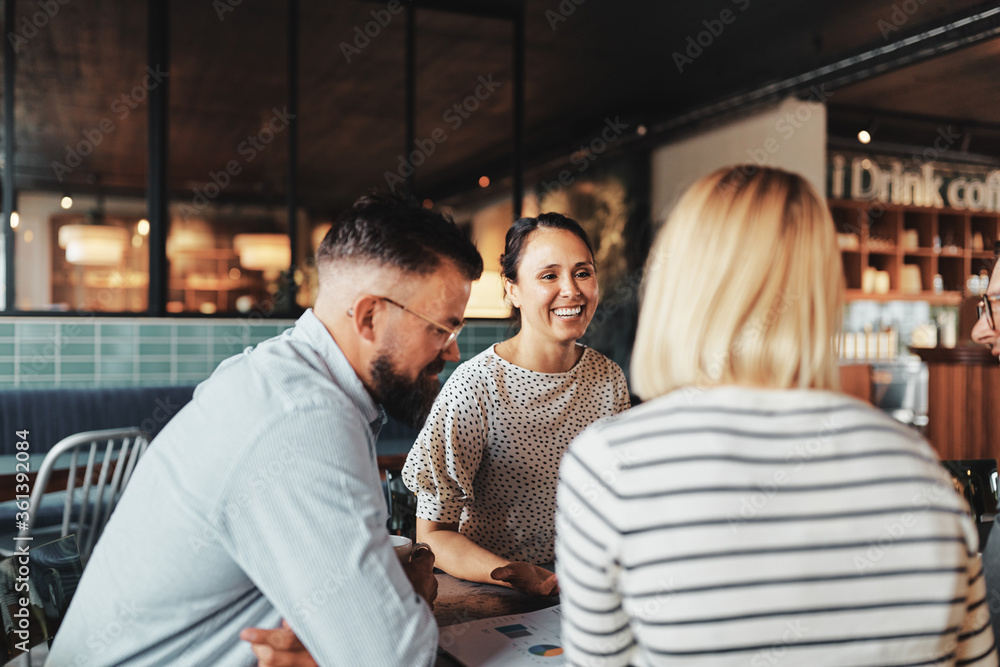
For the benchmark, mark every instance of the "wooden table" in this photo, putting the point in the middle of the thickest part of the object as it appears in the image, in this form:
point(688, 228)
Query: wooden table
point(461, 601)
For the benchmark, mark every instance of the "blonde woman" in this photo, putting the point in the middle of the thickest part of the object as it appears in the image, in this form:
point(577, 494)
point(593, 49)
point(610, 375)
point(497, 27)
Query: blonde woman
point(747, 512)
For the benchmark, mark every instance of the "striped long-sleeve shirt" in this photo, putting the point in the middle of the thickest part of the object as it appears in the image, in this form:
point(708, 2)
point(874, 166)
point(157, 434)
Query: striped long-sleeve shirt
point(741, 526)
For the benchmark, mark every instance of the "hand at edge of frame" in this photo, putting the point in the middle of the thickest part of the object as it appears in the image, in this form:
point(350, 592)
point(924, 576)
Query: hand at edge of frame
point(420, 572)
point(279, 647)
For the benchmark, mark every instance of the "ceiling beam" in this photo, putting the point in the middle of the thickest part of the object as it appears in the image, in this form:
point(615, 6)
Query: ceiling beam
point(925, 119)
point(494, 9)
point(952, 33)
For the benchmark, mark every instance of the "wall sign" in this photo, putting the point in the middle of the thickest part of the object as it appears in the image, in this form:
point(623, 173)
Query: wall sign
point(911, 183)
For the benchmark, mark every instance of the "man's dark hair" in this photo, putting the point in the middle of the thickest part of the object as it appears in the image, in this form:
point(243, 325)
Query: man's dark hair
point(396, 231)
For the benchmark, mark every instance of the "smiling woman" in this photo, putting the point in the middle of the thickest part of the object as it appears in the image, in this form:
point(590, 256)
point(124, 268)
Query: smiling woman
point(484, 466)
point(552, 279)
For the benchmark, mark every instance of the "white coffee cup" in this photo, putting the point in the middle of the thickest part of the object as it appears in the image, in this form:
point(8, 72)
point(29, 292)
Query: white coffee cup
point(403, 546)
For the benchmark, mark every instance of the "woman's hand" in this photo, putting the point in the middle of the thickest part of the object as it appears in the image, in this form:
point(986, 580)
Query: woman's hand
point(528, 578)
point(464, 559)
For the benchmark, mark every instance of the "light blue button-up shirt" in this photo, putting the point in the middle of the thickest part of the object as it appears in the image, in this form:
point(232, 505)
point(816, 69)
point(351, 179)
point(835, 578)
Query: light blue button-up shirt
point(259, 501)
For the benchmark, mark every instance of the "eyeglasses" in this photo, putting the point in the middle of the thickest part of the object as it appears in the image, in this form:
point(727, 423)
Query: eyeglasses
point(985, 307)
point(451, 333)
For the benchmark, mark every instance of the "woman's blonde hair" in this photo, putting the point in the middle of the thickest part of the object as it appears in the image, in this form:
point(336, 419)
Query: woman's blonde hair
point(744, 285)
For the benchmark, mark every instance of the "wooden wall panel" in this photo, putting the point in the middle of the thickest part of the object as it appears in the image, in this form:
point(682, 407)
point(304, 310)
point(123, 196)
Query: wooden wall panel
point(856, 381)
point(964, 408)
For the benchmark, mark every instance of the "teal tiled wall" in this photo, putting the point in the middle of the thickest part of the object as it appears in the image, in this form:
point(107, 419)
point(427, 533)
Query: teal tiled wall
point(109, 352)
point(116, 352)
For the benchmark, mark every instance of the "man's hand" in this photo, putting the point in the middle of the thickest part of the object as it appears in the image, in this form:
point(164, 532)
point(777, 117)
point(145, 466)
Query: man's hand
point(528, 578)
point(278, 647)
point(420, 572)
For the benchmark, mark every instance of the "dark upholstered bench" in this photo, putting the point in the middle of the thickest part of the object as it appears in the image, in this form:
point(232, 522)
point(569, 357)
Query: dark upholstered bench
point(49, 415)
point(52, 414)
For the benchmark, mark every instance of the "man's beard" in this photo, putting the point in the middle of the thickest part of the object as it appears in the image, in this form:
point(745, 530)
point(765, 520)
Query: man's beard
point(408, 401)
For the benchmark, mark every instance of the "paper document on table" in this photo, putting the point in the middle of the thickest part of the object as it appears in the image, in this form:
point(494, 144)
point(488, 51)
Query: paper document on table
point(511, 641)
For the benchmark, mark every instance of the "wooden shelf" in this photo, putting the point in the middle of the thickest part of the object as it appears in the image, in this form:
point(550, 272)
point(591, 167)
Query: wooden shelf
point(968, 355)
point(954, 261)
point(942, 299)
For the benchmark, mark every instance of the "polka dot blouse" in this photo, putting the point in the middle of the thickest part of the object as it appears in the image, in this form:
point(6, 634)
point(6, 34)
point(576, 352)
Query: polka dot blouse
point(488, 456)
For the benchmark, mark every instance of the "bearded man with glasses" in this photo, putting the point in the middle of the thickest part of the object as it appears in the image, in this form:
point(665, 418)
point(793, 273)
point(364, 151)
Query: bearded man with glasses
point(985, 332)
point(259, 506)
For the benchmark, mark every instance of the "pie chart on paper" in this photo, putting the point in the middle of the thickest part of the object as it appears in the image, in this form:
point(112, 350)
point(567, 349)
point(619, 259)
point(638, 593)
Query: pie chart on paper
point(546, 650)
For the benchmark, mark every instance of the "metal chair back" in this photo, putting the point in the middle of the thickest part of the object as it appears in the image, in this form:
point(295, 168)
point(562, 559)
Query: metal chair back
point(111, 457)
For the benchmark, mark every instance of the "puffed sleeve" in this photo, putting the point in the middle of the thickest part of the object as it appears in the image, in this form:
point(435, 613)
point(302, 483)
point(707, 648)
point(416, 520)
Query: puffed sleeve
point(442, 464)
